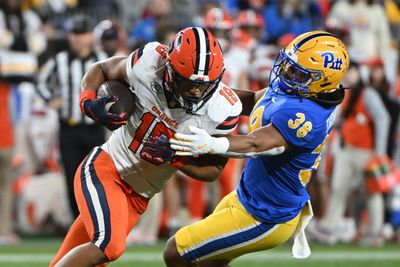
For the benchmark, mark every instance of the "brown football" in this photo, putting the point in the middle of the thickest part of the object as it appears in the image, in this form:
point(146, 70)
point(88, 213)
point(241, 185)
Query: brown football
point(125, 101)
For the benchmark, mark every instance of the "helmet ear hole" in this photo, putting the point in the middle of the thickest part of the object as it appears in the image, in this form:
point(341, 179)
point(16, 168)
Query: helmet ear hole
point(325, 85)
point(171, 48)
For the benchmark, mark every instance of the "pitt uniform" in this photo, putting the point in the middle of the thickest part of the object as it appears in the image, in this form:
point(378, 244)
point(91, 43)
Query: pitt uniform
point(276, 195)
point(108, 212)
point(270, 202)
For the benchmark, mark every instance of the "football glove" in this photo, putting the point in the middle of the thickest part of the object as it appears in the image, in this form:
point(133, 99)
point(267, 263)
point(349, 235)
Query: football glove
point(200, 142)
point(197, 143)
point(157, 150)
point(96, 109)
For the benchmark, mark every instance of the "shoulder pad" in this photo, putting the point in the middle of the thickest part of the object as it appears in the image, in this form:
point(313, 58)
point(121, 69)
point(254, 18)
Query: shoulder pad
point(297, 125)
point(224, 109)
point(149, 51)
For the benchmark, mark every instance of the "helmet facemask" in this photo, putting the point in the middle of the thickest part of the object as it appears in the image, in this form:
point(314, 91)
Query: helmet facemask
point(181, 87)
point(292, 78)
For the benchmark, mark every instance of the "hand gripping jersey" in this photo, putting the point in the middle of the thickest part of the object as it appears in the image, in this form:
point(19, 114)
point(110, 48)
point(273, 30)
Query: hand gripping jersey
point(273, 188)
point(145, 70)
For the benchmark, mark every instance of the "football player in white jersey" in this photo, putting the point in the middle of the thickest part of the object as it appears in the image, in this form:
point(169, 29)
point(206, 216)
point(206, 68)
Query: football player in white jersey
point(174, 87)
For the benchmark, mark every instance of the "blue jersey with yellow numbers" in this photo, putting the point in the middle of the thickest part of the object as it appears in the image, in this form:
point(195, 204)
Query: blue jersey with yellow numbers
point(273, 188)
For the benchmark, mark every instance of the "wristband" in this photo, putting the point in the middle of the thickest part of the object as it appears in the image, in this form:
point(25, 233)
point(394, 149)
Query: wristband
point(220, 145)
point(177, 162)
point(86, 95)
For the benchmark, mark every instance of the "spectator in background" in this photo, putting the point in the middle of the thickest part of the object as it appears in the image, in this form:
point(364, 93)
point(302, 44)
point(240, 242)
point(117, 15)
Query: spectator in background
point(20, 43)
point(260, 66)
point(364, 131)
point(250, 29)
point(97, 10)
point(380, 83)
point(59, 84)
point(6, 151)
point(290, 16)
point(393, 14)
point(369, 32)
point(144, 29)
point(109, 37)
point(184, 12)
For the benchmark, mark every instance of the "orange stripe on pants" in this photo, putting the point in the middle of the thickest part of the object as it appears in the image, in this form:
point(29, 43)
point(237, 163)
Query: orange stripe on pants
point(124, 205)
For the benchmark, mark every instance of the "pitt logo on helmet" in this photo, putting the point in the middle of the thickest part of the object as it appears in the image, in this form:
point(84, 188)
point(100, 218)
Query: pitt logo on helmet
point(312, 64)
point(329, 58)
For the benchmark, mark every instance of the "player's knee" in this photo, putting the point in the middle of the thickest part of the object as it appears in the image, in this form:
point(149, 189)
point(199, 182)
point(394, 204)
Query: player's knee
point(115, 250)
point(171, 255)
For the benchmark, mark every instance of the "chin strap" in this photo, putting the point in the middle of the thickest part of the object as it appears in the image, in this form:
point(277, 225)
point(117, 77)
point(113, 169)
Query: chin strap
point(330, 99)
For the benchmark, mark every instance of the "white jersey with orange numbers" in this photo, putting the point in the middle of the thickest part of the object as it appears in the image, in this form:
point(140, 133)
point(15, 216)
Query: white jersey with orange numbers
point(152, 116)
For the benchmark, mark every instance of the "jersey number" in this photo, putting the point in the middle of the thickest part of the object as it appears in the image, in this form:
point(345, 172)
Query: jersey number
point(229, 95)
point(162, 50)
point(255, 120)
point(295, 124)
point(149, 127)
point(305, 175)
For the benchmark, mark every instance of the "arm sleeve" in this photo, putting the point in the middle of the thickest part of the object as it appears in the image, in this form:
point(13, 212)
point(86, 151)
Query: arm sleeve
point(380, 117)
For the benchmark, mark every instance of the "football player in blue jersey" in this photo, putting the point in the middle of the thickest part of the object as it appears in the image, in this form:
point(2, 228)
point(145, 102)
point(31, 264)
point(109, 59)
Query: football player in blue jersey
point(289, 125)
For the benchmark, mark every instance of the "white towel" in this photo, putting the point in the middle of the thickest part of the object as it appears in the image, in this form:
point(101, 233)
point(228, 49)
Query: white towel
point(300, 248)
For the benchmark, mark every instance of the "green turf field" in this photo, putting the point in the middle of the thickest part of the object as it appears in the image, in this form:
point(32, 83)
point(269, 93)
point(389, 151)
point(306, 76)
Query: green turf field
point(35, 252)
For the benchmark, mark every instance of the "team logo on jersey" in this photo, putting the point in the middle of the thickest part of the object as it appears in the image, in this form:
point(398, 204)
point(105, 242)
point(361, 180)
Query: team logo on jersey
point(156, 87)
point(331, 62)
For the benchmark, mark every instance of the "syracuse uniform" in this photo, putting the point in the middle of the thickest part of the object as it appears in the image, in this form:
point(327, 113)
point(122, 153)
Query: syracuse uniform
point(264, 210)
point(115, 181)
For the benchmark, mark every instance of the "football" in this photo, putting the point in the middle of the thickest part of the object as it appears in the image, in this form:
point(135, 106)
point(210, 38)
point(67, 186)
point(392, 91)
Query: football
point(125, 101)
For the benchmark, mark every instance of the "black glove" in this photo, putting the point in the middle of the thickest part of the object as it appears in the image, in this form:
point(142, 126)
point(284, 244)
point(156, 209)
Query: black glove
point(96, 109)
point(157, 150)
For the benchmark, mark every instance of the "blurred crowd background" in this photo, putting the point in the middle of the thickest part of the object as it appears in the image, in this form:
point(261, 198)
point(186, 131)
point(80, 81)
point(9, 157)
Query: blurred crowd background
point(46, 45)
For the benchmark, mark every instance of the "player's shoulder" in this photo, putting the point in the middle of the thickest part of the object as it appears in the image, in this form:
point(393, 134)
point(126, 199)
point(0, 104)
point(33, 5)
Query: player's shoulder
point(292, 107)
point(224, 109)
point(302, 122)
point(148, 54)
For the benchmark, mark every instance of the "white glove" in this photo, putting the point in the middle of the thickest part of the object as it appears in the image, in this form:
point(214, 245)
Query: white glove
point(197, 143)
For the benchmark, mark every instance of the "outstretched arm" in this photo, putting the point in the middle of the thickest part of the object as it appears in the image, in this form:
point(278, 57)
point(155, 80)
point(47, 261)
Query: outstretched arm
point(263, 141)
point(206, 168)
